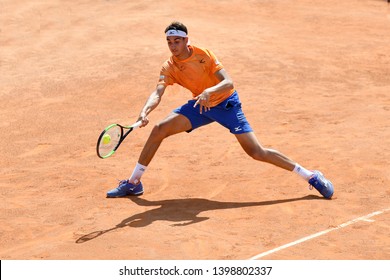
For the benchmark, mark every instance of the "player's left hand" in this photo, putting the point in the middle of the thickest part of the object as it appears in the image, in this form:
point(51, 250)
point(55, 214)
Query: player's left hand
point(203, 101)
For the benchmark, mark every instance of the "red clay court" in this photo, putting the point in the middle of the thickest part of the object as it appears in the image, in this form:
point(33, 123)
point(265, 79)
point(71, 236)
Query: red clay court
point(314, 79)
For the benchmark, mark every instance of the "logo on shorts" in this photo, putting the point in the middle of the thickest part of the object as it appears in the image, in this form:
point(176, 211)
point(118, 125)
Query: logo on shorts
point(202, 60)
point(237, 129)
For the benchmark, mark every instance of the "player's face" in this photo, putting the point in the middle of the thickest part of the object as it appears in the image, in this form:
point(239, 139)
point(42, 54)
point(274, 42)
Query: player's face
point(178, 46)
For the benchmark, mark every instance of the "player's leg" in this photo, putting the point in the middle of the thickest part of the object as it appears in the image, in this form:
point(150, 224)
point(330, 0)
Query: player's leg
point(173, 124)
point(253, 148)
point(229, 114)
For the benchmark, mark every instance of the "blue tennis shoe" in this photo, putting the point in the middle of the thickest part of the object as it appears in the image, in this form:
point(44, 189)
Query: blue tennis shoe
point(126, 188)
point(321, 184)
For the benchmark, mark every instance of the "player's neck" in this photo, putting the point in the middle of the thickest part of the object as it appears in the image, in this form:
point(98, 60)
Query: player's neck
point(187, 52)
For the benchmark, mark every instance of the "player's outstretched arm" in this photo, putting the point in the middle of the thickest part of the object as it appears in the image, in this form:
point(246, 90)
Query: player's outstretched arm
point(151, 104)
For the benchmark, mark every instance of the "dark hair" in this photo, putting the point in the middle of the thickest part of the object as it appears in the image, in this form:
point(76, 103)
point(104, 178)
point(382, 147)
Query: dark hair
point(176, 26)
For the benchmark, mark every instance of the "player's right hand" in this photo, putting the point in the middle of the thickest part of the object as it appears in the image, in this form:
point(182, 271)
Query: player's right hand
point(144, 119)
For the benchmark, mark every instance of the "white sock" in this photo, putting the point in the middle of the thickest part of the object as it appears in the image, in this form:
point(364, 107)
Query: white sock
point(137, 174)
point(303, 172)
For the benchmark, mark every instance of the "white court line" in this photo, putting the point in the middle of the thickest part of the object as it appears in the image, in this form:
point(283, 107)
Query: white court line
point(364, 218)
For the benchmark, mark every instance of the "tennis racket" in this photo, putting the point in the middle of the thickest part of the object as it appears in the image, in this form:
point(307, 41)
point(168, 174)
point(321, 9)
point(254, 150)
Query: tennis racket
point(111, 138)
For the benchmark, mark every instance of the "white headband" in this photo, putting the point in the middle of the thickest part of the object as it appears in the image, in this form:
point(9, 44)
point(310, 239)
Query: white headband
point(178, 33)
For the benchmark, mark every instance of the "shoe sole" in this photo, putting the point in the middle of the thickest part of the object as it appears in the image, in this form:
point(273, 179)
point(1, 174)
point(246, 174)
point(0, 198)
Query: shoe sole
point(132, 194)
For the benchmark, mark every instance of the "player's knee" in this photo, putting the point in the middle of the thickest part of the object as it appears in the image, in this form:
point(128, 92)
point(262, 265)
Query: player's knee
point(159, 132)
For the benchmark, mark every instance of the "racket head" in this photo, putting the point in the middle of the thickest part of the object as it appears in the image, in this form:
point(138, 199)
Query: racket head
point(109, 140)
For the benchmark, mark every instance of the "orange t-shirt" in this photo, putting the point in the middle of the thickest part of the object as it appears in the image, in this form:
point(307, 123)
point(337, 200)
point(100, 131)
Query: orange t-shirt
point(195, 73)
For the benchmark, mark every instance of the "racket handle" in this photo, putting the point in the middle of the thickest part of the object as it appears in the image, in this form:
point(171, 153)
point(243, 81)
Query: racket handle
point(137, 124)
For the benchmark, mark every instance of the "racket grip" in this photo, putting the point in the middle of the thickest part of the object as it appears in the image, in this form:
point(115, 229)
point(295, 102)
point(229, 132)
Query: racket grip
point(137, 124)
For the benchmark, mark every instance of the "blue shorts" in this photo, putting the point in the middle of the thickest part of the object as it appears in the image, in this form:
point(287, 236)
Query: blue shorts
point(228, 113)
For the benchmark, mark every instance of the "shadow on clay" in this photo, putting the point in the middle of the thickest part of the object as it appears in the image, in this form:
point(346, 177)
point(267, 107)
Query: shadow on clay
point(182, 212)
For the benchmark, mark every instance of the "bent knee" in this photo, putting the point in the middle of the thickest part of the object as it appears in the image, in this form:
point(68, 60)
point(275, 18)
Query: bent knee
point(158, 132)
point(161, 131)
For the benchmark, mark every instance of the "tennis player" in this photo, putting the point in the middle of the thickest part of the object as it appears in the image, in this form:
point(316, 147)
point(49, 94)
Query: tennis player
point(214, 99)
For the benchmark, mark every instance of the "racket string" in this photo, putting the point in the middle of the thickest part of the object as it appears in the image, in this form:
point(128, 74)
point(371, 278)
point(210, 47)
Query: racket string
point(109, 141)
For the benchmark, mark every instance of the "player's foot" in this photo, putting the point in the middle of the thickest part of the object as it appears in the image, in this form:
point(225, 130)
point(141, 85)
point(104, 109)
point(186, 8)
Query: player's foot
point(126, 188)
point(321, 184)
